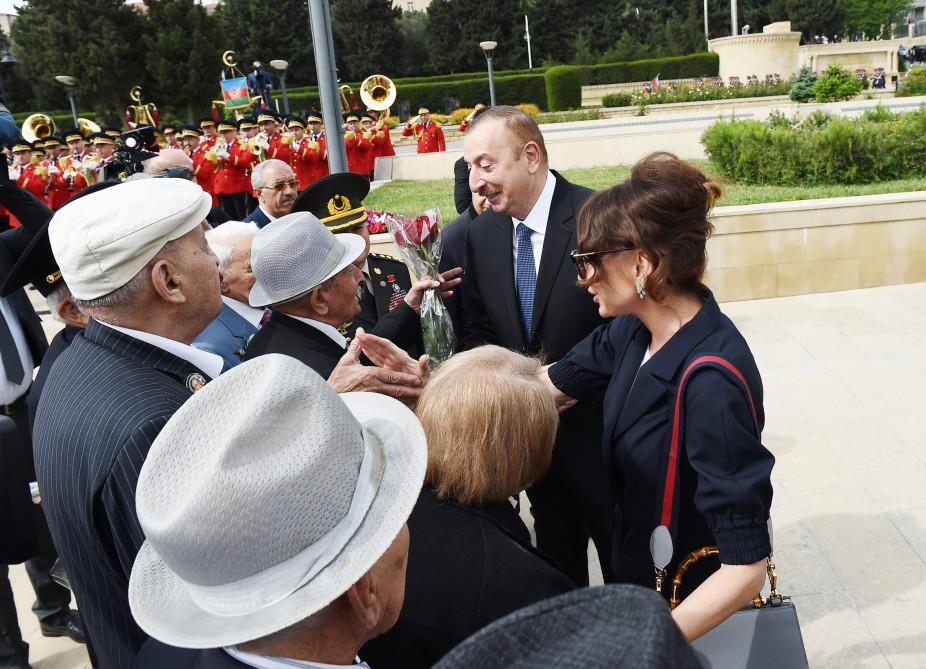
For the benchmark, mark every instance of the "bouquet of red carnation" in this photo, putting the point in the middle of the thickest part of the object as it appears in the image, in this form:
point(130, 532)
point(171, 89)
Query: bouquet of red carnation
point(419, 242)
point(376, 222)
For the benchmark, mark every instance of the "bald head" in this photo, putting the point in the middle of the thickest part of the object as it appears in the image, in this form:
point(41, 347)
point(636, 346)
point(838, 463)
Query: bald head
point(166, 159)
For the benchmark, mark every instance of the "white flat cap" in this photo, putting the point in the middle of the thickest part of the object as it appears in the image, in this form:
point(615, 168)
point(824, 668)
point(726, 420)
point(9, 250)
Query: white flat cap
point(104, 239)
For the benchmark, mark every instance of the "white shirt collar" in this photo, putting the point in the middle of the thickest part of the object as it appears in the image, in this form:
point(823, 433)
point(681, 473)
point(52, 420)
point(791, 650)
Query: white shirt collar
point(210, 363)
point(260, 662)
point(247, 312)
point(324, 328)
point(537, 218)
point(266, 213)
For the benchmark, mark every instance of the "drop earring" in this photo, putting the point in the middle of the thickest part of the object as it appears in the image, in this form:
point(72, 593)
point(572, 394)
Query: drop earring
point(641, 291)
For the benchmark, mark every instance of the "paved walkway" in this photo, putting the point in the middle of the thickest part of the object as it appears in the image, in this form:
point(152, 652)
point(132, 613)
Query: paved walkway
point(845, 382)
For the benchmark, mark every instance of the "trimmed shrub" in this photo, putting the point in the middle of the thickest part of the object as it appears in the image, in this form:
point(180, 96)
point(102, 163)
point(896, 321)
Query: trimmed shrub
point(617, 100)
point(821, 150)
point(563, 87)
point(914, 83)
point(509, 90)
point(687, 94)
point(802, 85)
point(530, 109)
point(672, 67)
point(457, 116)
point(836, 84)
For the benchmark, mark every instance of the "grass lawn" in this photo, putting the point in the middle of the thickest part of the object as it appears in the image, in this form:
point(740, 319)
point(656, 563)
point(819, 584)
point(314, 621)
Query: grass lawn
point(416, 196)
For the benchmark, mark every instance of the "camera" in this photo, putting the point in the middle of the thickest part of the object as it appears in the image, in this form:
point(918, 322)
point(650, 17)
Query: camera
point(133, 147)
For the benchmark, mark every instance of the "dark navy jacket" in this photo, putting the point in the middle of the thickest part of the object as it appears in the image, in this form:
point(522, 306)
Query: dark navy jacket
point(725, 490)
point(258, 216)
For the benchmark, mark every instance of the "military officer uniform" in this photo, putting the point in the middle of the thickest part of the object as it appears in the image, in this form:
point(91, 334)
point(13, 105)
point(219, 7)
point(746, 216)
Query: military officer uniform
point(337, 201)
point(429, 135)
point(278, 145)
point(315, 134)
point(358, 146)
point(232, 177)
point(67, 178)
point(106, 168)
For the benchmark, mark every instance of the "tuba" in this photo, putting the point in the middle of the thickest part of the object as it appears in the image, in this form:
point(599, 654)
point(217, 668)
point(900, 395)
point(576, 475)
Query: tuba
point(378, 93)
point(38, 126)
point(87, 127)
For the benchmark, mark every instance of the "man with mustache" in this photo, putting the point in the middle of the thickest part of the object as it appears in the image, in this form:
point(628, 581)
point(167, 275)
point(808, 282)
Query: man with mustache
point(276, 186)
point(521, 293)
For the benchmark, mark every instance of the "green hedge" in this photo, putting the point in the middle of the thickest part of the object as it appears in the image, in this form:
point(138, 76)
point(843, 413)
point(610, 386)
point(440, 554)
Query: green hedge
point(509, 90)
point(564, 87)
point(914, 83)
point(672, 67)
point(877, 147)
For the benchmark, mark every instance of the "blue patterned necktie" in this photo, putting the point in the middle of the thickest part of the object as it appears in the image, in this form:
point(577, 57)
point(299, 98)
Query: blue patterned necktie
point(525, 278)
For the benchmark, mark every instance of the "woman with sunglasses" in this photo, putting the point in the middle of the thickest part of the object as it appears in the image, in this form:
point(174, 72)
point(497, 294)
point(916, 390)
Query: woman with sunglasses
point(642, 257)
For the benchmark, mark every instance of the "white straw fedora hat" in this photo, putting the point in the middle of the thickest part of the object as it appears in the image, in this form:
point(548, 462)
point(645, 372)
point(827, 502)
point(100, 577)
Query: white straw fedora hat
point(296, 253)
point(264, 498)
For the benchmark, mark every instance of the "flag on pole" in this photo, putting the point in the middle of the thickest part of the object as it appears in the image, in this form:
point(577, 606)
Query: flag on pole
point(655, 83)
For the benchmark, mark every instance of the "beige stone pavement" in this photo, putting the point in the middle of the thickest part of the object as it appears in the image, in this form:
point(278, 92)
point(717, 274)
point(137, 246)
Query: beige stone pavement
point(845, 399)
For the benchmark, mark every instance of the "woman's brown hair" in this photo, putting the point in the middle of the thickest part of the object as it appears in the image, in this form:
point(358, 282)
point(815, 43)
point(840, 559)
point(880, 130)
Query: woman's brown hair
point(490, 424)
point(662, 210)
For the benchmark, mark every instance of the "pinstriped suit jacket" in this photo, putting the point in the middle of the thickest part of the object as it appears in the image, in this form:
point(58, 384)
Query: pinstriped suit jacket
point(106, 399)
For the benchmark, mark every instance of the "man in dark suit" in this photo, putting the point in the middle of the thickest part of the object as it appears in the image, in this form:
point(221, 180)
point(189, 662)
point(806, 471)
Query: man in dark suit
point(133, 255)
point(521, 293)
point(25, 257)
point(276, 186)
point(307, 275)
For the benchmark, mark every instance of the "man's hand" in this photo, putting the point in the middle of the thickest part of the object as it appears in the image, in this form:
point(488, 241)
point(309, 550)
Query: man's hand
point(351, 376)
point(385, 354)
point(446, 282)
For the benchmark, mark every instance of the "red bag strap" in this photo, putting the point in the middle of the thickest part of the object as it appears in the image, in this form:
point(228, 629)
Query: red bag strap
point(668, 497)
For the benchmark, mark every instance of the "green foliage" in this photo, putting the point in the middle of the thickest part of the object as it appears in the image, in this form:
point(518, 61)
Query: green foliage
point(689, 94)
point(914, 83)
point(366, 37)
point(802, 85)
point(816, 120)
point(584, 55)
point(509, 90)
point(837, 83)
point(413, 28)
point(96, 41)
point(456, 27)
point(563, 88)
point(821, 150)
point(180, 44)
point(812, 17)
point(778, 119)
point(673, 67)
point(876, 19)
point(617, 100)
point(880, 114)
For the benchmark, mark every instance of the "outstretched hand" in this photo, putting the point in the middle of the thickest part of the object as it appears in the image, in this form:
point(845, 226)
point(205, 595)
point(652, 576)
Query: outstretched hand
point(445, 282)
point(351, 376)
point(385, 354)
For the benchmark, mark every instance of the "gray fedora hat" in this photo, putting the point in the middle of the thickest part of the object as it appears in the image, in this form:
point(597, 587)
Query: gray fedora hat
point(590, 628)
point(296, 253)
point(264, 498)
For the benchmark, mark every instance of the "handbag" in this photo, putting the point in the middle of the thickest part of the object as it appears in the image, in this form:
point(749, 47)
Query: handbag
point(763, 635)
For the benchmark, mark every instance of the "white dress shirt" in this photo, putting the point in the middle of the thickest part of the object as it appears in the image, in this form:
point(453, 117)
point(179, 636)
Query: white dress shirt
point(210, 363)
point(9, 391)
point(537, 221)
point(266, 213)
point(261, 662)
point(246, 311)
point(324, 328)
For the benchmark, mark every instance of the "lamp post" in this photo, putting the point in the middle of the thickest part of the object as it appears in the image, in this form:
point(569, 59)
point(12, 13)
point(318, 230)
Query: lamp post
point(69, 83)
point(6, 60)
point(489, 48)
point(280, 66)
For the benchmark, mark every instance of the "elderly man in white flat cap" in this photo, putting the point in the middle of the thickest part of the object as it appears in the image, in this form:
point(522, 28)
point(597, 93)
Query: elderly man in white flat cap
point(137, 263)
point(276, 532)
point(306, 274)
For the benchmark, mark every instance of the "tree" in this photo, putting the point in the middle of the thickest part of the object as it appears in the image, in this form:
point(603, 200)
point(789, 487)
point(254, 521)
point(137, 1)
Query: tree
point(812, 17)
point(96, 41)
point(465, 21)
point(413, 27)
point(256, 30)
point(875, 18)
point(183, 48)
point(366, 37)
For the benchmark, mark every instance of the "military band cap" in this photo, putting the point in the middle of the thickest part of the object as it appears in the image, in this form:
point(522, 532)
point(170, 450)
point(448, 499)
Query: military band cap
point(424, 110)
point(351, 116)
point(295, 121)
point(247, 123)
point(51, 140)
point(336, 200)
point(101, 138)
point(190, 131)
point(264, 117)
point(224, 126)
point(111, 132)
point(206, 122)
point(21, 145)
point(103, 240)
point(314, 117)
point(169, 129)
point(72, 135)
point(39, 145)
point(367, 117)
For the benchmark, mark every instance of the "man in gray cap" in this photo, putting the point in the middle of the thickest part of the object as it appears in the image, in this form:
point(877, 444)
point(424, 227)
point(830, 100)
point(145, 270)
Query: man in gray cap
point(275, 543)
point(137, 263)
point(307, 275)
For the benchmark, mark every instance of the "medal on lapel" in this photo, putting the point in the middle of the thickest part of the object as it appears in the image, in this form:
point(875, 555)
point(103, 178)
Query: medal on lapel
point(195, 381)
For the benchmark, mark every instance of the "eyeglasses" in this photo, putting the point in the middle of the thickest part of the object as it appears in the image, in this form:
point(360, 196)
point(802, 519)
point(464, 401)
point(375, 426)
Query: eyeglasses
point(582, 260)
point(280, 186)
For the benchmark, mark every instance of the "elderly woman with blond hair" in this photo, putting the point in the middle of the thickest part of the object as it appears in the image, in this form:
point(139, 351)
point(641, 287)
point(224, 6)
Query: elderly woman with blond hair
point(490, 425)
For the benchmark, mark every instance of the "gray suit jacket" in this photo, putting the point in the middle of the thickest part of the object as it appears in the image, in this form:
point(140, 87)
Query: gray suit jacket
point(226, 336)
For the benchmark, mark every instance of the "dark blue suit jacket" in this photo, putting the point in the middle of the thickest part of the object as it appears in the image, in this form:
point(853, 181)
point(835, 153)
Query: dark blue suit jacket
point(156, 655)
point(725, 488)
point(106, 399)
point(257, 216)
point(226, 336)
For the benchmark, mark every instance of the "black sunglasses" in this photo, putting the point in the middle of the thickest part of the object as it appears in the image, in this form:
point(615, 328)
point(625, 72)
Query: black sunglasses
point(582, 260)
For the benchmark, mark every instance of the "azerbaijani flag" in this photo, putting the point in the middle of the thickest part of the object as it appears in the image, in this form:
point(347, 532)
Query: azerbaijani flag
point(235, 93)
point(655, 83)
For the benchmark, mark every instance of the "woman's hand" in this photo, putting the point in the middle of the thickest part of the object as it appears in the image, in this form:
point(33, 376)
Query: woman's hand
point(563, 401)
point(724, 593)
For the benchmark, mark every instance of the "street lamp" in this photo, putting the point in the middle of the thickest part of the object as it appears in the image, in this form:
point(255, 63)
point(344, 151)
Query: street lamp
point(70, 83)
point(489, 47)
point(280, 66)
point(6, 60)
